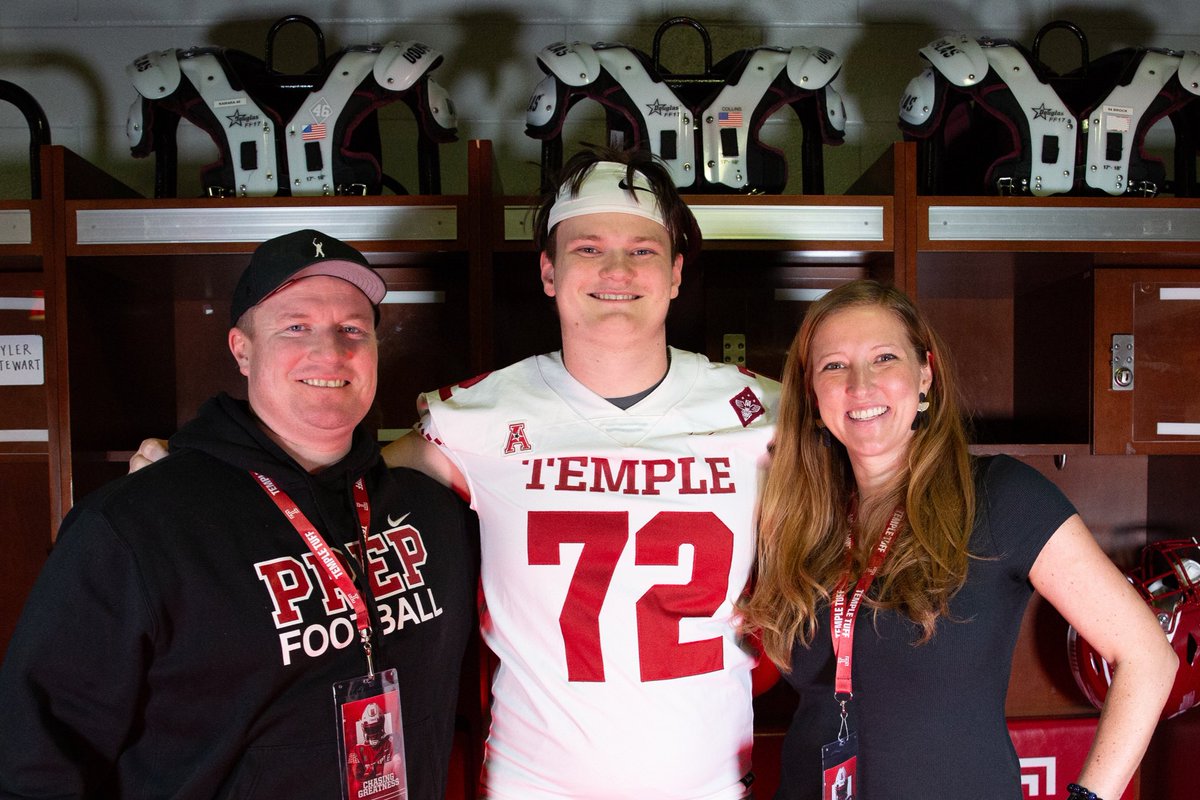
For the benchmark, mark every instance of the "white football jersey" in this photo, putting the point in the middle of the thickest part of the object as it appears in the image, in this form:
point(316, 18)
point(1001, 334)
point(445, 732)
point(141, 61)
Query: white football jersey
point(614, 545)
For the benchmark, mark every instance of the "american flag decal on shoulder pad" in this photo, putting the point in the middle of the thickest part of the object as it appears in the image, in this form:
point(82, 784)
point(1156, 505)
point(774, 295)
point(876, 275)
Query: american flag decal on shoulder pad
point(747, 405)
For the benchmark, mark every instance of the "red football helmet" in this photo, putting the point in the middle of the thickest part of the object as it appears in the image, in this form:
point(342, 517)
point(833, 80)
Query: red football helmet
point(1169, 580)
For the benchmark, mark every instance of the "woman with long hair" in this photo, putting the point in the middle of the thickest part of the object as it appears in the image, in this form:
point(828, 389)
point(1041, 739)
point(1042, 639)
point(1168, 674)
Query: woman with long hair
point(883, 541)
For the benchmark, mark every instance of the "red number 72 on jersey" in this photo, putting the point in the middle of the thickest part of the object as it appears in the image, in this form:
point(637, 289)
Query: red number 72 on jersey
point(604, 535)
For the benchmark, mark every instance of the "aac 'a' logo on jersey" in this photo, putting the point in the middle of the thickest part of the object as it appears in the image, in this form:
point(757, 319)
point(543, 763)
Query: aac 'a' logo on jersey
point(747, 406)
point(518, 440)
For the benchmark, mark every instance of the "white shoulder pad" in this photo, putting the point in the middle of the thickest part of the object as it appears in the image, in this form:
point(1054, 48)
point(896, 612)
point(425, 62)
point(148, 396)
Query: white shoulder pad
point(835, 109)
point(401, 64)
point(917, 104)
point(134, 124)
point(1189, 71)
point(573, 63)
point(441, 108)
point(812, 67)
point(155, 75)
point(542, 103)
point(959, 57)
point(1157, 67)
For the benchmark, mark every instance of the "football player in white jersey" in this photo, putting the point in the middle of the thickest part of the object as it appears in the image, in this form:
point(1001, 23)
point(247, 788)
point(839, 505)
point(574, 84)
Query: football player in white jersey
point(615, 483)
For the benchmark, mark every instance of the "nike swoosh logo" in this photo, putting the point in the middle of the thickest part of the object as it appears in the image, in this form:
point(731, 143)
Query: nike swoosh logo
point(395, 523)
point(622, 184)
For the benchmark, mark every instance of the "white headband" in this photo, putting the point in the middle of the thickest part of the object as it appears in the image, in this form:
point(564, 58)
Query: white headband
point(604, 189)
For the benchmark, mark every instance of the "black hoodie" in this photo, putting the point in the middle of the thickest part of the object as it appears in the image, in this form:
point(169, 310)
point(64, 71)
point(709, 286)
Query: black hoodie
point(182, 643)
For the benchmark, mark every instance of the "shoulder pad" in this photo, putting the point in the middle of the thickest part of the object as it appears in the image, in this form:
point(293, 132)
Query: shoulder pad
point(542, 103)
point(959, 57)
point(1166, 51)
point(835, 109)
point(917, 104)
point(441, 108)
point(155, 75)
point(1160, 63)
point(135, 124)
point(1189, 71)
point(812, 67)
point(573, 63)
point(1012, 66)
point(401, 64)
point(624, 65)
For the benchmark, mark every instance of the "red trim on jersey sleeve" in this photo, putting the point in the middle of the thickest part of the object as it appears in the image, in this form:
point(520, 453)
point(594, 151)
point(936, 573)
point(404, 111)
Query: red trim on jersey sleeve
point(764, 674)
point(446, 392)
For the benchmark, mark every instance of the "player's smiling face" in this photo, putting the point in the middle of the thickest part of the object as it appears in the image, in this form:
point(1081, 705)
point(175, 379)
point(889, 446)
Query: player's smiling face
point(613, 270)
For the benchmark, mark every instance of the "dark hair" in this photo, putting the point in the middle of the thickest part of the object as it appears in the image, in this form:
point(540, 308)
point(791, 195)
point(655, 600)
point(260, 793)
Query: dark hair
point(681, 224)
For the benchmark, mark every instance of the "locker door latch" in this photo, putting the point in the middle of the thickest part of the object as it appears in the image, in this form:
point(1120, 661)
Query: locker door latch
point(1122, 362)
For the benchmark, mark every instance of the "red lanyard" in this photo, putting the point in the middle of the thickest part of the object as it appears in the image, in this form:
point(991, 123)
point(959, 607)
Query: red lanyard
point(325, 556)
point(843, 615)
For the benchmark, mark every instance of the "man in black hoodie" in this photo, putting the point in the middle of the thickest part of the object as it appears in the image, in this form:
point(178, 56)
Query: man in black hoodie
point(188, 629)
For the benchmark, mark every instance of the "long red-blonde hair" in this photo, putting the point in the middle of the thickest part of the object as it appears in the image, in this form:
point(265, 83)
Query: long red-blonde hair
point(802, 519)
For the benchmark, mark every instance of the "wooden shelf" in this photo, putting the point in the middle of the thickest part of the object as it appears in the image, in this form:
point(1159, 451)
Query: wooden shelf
point(27, 383)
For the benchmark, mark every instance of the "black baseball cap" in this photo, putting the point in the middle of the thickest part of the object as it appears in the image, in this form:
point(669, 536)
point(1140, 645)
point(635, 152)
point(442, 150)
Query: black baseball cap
point(302, 254)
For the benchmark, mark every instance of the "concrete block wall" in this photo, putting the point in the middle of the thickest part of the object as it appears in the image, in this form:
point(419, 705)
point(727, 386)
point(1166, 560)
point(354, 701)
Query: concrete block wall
point(71, 55)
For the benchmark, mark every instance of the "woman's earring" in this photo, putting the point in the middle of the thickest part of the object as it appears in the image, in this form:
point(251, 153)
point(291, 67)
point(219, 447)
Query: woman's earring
point(922, 415)
point(826, 437)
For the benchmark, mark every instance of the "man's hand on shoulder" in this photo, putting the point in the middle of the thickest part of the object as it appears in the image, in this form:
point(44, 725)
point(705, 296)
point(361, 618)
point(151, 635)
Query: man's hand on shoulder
point(151, 450)
point(413, 451)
